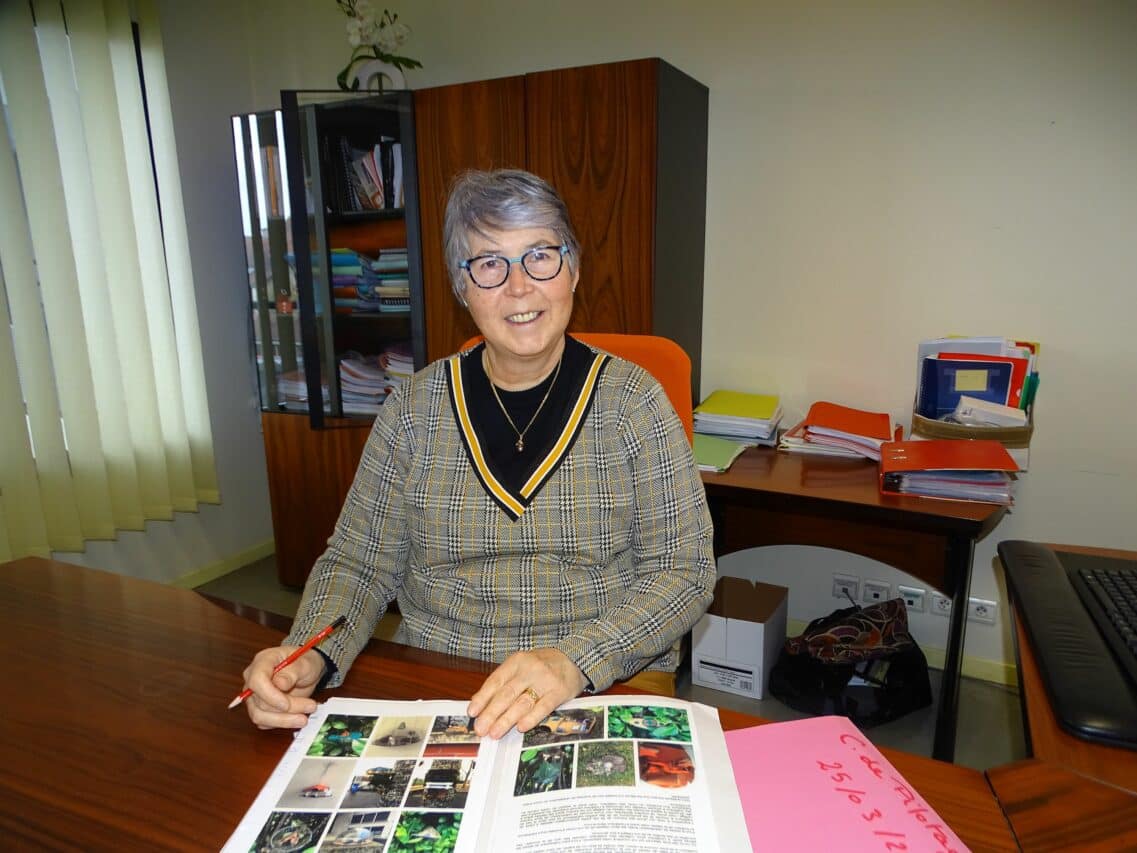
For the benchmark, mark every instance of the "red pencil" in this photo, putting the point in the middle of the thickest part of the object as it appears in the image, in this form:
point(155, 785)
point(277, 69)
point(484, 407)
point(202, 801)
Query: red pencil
point(292, 658)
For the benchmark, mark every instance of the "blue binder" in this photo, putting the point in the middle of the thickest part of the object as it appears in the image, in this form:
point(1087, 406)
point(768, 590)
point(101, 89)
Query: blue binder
point(944, 381)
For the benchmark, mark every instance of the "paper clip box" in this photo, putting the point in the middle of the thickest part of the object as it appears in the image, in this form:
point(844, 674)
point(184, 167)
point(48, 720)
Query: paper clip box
point(736, 643)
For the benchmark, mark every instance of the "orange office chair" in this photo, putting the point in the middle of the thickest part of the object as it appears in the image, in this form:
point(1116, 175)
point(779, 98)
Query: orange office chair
point(661, 357)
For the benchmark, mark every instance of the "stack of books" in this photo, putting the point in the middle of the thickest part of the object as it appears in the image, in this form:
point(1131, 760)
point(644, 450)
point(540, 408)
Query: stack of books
point(366, 380)
point(749, 418)
point(957, 469)
point(362, 285)
point(830, 429)
point(728, 422)
point(369, 178)
point(363, 384)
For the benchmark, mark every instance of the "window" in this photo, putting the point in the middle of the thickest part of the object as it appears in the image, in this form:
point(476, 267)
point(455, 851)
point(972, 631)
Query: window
point(98, 326)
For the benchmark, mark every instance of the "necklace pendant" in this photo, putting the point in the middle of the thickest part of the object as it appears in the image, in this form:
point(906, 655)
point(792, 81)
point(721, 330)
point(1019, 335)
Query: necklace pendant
point(520, 445)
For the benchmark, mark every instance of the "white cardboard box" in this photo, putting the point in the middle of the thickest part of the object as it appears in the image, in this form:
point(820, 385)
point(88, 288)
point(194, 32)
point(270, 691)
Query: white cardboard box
point(736, 643)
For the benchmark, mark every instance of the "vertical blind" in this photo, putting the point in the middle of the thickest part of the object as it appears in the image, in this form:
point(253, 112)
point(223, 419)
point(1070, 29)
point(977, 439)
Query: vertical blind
point(103, 421)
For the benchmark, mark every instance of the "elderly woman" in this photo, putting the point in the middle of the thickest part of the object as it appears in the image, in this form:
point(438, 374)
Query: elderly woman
point(531, 501)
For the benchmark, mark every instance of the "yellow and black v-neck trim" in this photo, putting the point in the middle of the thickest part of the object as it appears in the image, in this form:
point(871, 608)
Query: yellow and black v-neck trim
point(510, 478)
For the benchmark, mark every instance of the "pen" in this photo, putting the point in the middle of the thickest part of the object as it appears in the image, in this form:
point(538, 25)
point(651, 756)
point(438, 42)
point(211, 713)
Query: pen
point(292, 658)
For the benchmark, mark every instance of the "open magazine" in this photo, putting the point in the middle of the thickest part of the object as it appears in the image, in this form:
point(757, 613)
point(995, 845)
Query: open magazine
point(600, 773)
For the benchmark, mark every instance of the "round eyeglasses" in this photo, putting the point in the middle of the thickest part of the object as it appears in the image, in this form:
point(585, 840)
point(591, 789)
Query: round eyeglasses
point(541, 263)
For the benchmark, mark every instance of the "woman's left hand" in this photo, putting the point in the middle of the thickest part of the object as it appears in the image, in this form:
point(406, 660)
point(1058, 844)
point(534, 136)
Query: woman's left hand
point(524, 690)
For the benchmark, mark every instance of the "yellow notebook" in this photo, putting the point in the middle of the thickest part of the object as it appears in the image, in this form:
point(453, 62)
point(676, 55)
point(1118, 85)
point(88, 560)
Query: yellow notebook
point(739, 404)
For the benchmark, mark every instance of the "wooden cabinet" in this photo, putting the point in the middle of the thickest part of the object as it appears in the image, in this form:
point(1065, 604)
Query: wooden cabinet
point(626, 146)
point(468, 125)
point(309, 473)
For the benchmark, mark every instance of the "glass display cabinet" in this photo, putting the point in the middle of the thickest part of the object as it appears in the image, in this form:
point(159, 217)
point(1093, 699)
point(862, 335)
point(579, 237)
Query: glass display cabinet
point(329, 205)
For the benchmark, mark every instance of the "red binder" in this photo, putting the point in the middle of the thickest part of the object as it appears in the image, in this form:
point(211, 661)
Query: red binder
point(831, 416)
point(954, 459)
point(862, 432)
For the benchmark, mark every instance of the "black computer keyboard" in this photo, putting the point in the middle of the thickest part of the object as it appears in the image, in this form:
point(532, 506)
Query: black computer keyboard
point(1109, 593)
point(1086, 663)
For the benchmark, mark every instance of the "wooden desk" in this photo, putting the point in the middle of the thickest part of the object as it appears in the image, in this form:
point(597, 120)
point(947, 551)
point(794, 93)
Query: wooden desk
point(772, 498)
point(116, 737)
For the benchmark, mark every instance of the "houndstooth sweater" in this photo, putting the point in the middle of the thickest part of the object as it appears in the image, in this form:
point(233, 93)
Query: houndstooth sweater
point(605, 553)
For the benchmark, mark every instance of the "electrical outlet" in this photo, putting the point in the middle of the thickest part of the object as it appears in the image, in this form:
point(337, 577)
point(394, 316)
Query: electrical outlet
point(941, 604)
point(846, 586)
point(980, 610)
point(876, 591)
point(913, 596)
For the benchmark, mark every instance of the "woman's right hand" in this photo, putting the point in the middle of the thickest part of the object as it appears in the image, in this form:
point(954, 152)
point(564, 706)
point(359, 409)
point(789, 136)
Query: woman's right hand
point(282, 701)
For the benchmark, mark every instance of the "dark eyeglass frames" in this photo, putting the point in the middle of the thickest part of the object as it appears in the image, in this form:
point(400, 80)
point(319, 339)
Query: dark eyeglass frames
point(541, 263)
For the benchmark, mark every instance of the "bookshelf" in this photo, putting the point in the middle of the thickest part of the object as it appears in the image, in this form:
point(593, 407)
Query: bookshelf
point(329, 196)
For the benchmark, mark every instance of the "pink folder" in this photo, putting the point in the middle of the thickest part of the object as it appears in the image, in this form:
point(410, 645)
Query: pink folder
point(819, 784)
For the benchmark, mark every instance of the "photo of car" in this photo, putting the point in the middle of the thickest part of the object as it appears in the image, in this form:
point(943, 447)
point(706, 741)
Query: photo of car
point(383, 781)
point(441, 782)
point(439, 788)
point(379, 786)
point(317, 783)
point(400, 737)
point(565, 725)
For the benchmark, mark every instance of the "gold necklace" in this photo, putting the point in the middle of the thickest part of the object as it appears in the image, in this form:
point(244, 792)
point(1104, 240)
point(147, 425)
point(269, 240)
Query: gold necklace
point(520, 445)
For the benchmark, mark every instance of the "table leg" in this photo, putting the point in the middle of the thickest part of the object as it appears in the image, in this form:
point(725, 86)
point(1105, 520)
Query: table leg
point(960, 551)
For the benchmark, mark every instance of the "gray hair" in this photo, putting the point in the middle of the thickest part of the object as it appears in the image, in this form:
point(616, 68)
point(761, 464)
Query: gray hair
point(500, 200)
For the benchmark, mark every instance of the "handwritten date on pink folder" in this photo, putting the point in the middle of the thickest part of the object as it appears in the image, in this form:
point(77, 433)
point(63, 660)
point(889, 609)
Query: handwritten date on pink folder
point(819, 784)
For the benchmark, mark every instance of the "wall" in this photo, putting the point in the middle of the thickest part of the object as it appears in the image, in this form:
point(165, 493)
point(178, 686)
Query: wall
point(879, 173)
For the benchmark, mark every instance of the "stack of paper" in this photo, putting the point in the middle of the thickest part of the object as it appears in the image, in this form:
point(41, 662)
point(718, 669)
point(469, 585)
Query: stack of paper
point(366, 380)
point(363, 384)
point(794, 441)
point(293, 389)
point(834, 430)
point(750, 418)
point(958, 469)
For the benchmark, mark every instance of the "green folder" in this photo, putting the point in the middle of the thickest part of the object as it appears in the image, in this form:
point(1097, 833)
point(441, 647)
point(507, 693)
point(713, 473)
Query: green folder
point(716, 454)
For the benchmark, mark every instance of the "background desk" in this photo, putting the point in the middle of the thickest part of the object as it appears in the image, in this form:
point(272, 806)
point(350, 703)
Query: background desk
point(776, 498)
point(117, 738)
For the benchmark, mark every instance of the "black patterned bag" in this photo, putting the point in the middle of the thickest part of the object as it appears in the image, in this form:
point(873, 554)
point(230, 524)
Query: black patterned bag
point(858, 662)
